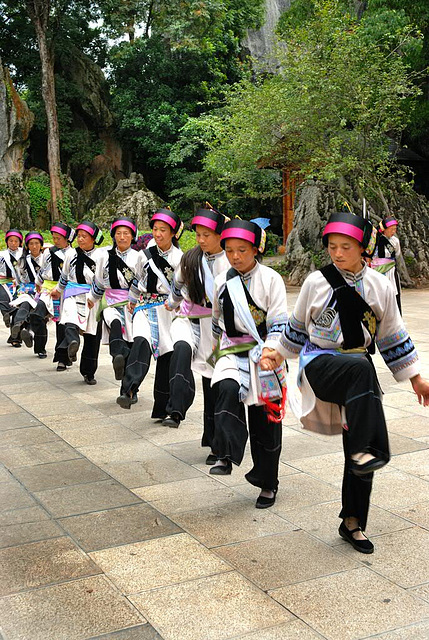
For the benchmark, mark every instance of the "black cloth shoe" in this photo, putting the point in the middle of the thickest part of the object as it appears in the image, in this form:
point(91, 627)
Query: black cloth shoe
point(6, 319)
point(367, 467)
point(364, 546)
point(211, 459)
point(224, 470)
point(172, 421)
point(135, 398)
point(42, 355)
point(14, 332)
point(16, 343)
point(61, 366)
point(89, 380)
point(263, 503)
point(119, 366)
point(72, 350)
point(27, 337)
point(124, 400)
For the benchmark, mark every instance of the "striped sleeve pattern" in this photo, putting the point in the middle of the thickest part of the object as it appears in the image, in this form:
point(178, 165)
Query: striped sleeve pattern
point(399, 353)
point(294, 336)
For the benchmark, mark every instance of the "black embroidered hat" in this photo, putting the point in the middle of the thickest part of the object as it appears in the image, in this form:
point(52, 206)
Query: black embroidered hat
point(244, 230)
point(93, 230)
point(33, 235)
point(388, 221)
point(64, 230)
point(170, 218)
point(209, 218)
point(353, 226)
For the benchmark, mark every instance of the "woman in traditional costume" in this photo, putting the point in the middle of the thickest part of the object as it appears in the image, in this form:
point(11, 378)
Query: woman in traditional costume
point(115, 272)
point(46, 280)
point(193, 288)
point(9, 278)
point(151, 320)
point(28, 267)
point(342, 311)
point(249, 314)
point(74, 285)
point(386, 254)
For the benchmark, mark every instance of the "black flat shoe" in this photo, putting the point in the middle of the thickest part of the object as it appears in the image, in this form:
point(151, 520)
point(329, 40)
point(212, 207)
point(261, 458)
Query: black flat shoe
point(211, 459)
point(14, 332)
point(364, 546)
point(222, 470)
point(16, 343)
point(124, 401)
point(134, 399)
point(61, 366)
point(42, 355)
point(119, 366)
point(27, 337)
point(172, 421)
point(263, 503)
point(72, 350)
point(90, 381)
point(6, 319)
point(366, 467)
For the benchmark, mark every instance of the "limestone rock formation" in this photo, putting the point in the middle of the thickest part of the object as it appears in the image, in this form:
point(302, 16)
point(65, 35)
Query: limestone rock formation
point(259, 42)
point(314, 203)
point(131, 198)
point(16, 121)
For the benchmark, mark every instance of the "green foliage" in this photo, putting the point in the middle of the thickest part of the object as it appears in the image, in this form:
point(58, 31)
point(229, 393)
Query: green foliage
point(330, 111)
point(187, 240)
point(40, 193)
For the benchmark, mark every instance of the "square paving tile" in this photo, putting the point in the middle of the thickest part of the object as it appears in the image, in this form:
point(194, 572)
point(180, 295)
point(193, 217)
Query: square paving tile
point(17, 421)
point(24, 514)
point(235, 522)
point(59, 474)
point(303, 445)
point(416, 463)
point(352, 605)
point(19, 456)
point(397, 490)
point(158, 563)
point(142, 632)
point(94, 496)
point(70, 611)
point(293, 630)
point(214, 608)
point(277, 560)
point(13, 496)
point(328, 468)
point(12, 535)
point(412, 427)
point(187, 495)
point(94, 434)
point(26, 436)
point(123, 525)
point(418, 514)
point(401, 556)
point(415, 632)
point(400, 444)
point(41, 563)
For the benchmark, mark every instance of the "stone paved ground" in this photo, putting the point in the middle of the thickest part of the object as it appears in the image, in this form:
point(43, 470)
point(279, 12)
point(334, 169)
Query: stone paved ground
point(110, 526)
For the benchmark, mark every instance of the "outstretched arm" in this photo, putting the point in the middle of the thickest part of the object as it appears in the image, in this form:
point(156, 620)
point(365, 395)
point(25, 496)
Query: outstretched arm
point(421, 389)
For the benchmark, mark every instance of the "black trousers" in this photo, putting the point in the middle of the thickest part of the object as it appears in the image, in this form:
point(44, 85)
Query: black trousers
point(90, 349)
point(352, 382)
point(230, 435)
point(208, 413)
point(22, 314)
point(137, 365)
point(161, 387)
point(4, 302)
point(181, 380)
point(38, 323)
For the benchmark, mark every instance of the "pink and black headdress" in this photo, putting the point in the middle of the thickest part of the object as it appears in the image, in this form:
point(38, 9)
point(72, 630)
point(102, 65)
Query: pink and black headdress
point(353, 226)
point(244, 230)
point(388, 221)
point(64, 230)
point(124, 221)
point(93, 230)
point(33, 235)
point(14, 233)
point(170, 218)
point(209, 218)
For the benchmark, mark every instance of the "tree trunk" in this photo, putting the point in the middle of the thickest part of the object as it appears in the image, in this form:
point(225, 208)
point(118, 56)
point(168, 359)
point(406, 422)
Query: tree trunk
point(39, 13)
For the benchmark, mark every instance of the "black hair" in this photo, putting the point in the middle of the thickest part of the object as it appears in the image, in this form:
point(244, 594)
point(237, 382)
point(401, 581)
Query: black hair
point(193, 274)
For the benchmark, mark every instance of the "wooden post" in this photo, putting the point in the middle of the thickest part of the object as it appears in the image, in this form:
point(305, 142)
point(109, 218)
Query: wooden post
point(289, 185)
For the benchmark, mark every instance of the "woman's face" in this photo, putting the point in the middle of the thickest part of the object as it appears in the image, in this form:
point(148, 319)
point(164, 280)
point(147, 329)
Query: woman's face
point(60, 242)
point(241, 254)
point(34, 247)
point(123, 238)
point(163, 235)
point(85, 240)
point(345, 252)
point(390, 231)
point(13, 243)
point(208, 239)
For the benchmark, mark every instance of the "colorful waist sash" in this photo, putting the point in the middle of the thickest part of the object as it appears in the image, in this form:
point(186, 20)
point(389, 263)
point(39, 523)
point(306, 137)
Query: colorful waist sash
point(191, 310)
point(112, 298)
point(75, 289)
point(382, 265)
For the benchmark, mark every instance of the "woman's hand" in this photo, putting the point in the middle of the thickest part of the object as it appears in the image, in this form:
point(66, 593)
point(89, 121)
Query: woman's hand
point(131, 306)
point(270, 359)
point(421, 389)
point(38, 288)
point(89, 303)
point(55, 294)
point(167, 306)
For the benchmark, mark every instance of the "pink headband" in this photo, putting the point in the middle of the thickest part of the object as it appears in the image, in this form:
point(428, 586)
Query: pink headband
point(391, 223)
point(84, 227)
point(124, 223)
point(204, 222)
point(62, 232)
point(240, 234)
point(163, 217)
point(16, 234)
point(33, 236)
point(344, 229)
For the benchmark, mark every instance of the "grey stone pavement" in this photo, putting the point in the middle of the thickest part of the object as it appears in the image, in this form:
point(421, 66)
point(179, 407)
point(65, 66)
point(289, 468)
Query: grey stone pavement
point(111, 527)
